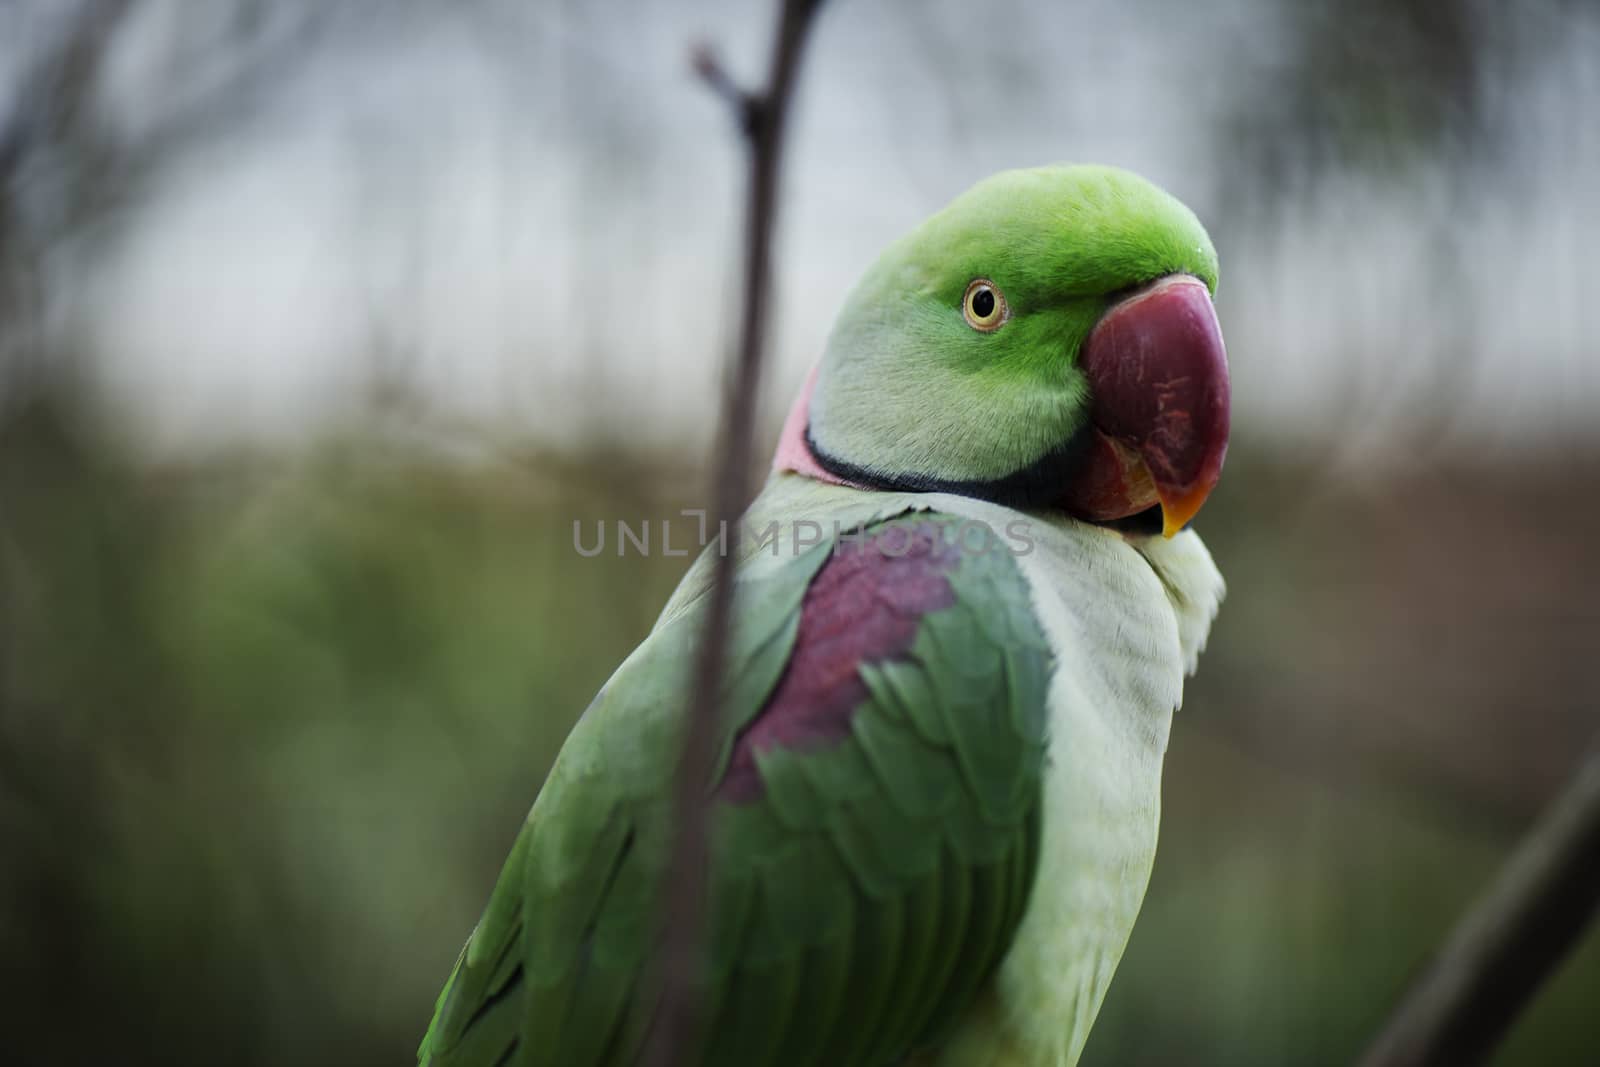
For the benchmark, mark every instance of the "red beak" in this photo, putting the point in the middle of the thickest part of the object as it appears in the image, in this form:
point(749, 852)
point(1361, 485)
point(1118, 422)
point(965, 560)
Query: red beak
point(1158, 377)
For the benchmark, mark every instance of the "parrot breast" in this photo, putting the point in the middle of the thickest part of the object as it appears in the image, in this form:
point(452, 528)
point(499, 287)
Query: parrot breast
point(1125, 618)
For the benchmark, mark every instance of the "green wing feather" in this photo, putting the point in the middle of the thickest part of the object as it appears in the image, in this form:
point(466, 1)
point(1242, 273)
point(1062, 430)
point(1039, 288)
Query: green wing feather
point(857, 905)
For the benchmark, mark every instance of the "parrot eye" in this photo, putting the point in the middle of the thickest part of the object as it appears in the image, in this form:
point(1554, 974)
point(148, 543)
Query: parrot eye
point(983, 306)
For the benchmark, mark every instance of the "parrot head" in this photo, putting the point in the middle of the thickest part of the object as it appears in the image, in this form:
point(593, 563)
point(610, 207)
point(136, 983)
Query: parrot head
point(1046, 341)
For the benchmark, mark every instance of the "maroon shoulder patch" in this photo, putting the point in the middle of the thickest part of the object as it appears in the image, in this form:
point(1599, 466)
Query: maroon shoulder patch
point(863, 606)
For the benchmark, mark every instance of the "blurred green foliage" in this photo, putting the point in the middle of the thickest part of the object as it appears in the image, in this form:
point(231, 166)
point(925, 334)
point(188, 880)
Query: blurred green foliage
point(267, 736)
point(268, 729)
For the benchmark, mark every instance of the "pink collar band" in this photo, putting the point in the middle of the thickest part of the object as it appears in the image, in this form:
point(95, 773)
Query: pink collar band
point(794, 454)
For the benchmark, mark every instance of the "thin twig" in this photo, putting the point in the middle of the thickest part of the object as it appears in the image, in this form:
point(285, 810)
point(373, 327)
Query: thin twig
point(1535, 912)
point(675, 1029)
point(743, 104)
point(66, 171)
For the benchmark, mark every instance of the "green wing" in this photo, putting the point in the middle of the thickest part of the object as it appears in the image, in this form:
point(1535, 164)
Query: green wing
point(858, 902)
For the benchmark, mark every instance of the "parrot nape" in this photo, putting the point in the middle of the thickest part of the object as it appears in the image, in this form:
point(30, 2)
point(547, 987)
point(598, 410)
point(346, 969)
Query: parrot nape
point(965, 605)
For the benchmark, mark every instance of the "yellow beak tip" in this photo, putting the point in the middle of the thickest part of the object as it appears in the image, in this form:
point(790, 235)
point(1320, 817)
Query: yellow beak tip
point(1178, 512)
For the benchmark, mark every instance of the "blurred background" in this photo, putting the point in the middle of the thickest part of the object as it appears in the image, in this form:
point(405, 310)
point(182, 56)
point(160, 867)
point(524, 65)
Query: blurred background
point(321, 321)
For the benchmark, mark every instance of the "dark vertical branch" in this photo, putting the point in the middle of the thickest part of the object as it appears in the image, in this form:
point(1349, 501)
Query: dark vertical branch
point(762, 118)
point(1464, 1002)
point(50, 116)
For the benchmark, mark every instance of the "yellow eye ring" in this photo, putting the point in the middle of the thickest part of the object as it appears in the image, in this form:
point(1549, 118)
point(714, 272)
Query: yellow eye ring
point(984, 307)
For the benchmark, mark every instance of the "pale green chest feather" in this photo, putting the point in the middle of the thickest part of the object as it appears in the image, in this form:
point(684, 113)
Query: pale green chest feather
point(1126, 619)
point(1127, 623)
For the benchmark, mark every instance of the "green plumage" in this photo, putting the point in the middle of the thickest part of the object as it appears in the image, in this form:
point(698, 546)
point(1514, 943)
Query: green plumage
point(874, 895)
point(857, 903)
point(907, 387)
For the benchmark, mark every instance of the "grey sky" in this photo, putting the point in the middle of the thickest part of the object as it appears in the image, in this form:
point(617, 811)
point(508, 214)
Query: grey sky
point(533, 225)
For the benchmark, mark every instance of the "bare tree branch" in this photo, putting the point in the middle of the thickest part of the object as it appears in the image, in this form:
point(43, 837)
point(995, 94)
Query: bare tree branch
point(67, 170)
point(744, 105)
point(1461, 1006)
point(52, 101)
point(762, 116)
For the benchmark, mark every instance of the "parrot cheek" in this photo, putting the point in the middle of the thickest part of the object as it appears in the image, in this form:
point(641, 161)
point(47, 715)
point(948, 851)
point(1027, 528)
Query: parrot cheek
point(1158, 378)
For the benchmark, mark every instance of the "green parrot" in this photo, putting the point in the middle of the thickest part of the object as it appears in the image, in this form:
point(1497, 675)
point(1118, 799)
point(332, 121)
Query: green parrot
point(966, 600)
